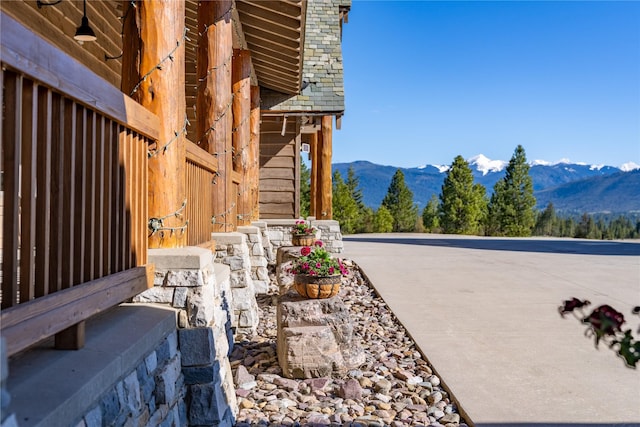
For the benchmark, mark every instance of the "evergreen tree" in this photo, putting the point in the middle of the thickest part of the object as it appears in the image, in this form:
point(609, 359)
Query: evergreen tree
point(399, 202)
point(383, 220)
point(430, 218)
point(462, 203)
point(345, 209)
point(511, 209)
point(364, 221)
point(545, 223)
point(353, 183)
point(305, 190)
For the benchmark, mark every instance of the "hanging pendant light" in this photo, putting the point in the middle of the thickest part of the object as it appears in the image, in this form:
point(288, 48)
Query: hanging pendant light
point(84, 33)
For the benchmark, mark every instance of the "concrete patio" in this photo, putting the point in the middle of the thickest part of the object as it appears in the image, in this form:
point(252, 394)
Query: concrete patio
point(484, 313)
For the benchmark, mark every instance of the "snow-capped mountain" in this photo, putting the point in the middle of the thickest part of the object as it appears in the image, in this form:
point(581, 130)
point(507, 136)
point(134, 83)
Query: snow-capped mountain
point(426, 180)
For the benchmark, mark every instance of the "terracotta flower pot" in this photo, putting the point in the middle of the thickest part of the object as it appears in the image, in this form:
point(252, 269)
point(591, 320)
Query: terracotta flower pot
point(303, 239)
point(317, 287)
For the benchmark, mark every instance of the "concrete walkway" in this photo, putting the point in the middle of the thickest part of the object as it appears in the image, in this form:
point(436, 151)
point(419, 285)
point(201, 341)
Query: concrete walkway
point(484, 313)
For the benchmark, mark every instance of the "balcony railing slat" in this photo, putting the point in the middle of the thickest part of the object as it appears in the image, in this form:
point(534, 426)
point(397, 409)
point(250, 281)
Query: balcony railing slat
point(27, 191)
point(11, 137)
point(43, 199)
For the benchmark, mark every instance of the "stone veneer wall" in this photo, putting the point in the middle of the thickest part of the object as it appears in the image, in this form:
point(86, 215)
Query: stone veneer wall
point(279, 231)
point(151, 395)
point(188, 280)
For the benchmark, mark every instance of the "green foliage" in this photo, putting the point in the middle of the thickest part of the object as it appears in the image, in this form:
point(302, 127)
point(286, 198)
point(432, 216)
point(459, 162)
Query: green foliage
point(399, 202)
point(383, 220)
point(430, 217)
point(588, 227)
point(511, 209)
point(305, 190)
point(462, 203)
point(545, 222)
point(345, 208)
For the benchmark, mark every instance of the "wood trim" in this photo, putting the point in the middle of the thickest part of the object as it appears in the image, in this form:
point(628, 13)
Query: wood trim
point(201, 157)
point(22, 49)
point(28, 323)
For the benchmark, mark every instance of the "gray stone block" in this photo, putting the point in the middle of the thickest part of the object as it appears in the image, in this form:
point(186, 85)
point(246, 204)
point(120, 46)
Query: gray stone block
point(189, 257)
point(207, 404)
point(202, 374)
point(200, 306)
point(197, 346)
point(167, 381)
point(147, 384)
point(157, 294)
point(110, 407)
point(188, 278)
point(93, 418)
point(180, 297)
point(133, 397)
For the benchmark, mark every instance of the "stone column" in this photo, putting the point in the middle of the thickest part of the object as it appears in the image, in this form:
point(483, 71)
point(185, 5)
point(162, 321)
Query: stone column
point(259, 273)
point(232, 250)
point(188, 280)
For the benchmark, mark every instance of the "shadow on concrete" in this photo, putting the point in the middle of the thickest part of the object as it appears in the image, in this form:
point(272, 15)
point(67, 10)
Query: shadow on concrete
point(580, 247)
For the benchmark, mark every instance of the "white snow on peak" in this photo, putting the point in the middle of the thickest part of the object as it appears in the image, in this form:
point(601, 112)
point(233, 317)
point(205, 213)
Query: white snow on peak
point(596, 167)
point(540, 163)
point(422, 167)
point(486, 165)
point(629, 166)
point(441, 168)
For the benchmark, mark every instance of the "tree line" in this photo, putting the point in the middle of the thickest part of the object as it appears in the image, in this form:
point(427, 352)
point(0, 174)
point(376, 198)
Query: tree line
point(463, 207)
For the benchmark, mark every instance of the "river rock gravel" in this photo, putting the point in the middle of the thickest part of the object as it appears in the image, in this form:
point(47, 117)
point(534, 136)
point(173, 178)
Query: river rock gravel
point(395, 387)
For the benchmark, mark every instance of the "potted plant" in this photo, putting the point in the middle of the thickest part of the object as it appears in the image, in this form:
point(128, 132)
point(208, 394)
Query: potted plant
point(303, 234)
point(316, 273)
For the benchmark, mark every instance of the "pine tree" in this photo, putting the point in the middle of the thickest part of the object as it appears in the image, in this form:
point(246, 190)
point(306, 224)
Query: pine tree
point(364, 220)
point(345, 209)
point(462, 203)
point(546, 221)
point(511, 209)
point(305, 190)
point(353, 183)
point(399, 202)
point(430, 218)
point(383, 220)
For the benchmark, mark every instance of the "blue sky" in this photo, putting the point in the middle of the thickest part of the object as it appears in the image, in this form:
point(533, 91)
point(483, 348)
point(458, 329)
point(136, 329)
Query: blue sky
point(426, 81)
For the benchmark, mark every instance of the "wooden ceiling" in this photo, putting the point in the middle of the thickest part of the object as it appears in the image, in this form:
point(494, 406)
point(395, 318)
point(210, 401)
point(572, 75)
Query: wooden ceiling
point(274, 33)
point(273, 30)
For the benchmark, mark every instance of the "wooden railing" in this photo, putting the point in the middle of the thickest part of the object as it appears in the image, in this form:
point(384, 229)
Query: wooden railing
point(74, 169)
point(202, 171)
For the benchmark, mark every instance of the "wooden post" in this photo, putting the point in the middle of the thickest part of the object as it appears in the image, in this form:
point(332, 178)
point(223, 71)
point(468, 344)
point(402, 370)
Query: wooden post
point(214, 102)
point(254, 154)
point(313, 192)
point(153, 62)
point(241, 86)
point(325, 185)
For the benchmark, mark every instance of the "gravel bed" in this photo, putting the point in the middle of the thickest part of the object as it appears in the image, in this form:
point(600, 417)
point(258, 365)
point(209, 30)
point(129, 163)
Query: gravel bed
point(395, 387)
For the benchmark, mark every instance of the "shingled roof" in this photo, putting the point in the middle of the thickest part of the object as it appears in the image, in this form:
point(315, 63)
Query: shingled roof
point(322, 75)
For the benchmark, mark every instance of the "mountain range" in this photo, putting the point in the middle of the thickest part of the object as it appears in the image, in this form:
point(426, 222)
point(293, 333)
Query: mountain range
point(571, 187)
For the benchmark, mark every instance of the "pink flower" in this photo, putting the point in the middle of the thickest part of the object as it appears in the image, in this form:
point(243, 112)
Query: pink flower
point(318, 265)
point(305, 251)
point(332, 270)
point(318, 243)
